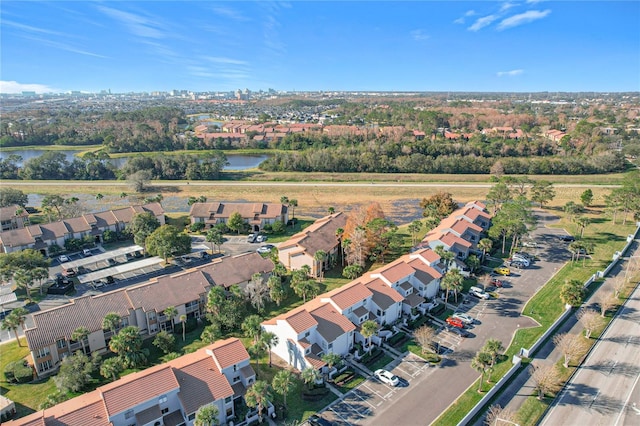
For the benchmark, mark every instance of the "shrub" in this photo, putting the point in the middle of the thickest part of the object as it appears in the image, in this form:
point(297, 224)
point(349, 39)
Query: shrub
point(19, 372)
point(109, 236)
point(196, 227)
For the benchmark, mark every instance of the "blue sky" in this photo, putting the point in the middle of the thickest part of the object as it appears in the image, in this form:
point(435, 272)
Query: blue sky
point(137, 46)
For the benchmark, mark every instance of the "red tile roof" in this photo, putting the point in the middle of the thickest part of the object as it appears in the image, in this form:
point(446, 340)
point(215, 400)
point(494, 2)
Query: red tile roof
point(229, 352)
point(349, 294)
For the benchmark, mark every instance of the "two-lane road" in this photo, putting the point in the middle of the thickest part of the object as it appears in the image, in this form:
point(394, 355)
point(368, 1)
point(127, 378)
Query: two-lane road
point(606, 389)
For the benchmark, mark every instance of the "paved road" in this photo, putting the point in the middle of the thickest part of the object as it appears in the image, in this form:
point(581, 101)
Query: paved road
point(289, 184)
point(429, 393)
point(605, 390)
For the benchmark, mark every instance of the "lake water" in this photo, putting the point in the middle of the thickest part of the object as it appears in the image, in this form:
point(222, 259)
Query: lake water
point(236, 162)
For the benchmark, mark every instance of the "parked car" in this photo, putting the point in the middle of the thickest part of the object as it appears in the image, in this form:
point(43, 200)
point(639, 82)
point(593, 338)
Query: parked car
point(4, 313)
point(316, 420)
point(531, 244)
point(387, 377)
point(112, 262)
point(261, 238)
point(497, 282)
point(525, 255)
point(265, 249)
point(251, 238)
point(203, 254)
point(502, 270)
point(110, 280)
point(87, 252)
point(459, 331)
point(455, 322)
point(518, 264)
point(567, 238)
point(479, 293)
point(138, 254)
point(63, 259)
point(465, 318)
point(69, 272)
point(521, 259)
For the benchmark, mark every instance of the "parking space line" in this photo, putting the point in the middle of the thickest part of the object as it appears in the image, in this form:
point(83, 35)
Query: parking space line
point(339, 415)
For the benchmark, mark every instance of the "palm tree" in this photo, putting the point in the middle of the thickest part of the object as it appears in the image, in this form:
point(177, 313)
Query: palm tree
point(480, 363)
point(331, 359)
point(251, 327)
point(207, 415)
point(111, 322)
point(21, 313)
point(582, 222)
point(368, 329)
point(485, 245)
point(445, 255)
point(282, 383)
point(183, 320)
point(269, 340)
point(258, 396)
point(309, 376)
point(11, 322)
point(111, 368)
point(214, 237)
point(452, 281)
point(493, 347)
point(331, 210)
point(293, 203)
point(170, 312)
point(79, 334)
point(339, 234)
point(320, 256)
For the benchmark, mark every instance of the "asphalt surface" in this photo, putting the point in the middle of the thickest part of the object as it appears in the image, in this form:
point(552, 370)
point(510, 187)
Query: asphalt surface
point(430, 392)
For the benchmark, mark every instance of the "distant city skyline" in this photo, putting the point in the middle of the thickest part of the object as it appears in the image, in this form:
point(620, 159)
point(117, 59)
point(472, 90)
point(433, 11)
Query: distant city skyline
point(415, 46)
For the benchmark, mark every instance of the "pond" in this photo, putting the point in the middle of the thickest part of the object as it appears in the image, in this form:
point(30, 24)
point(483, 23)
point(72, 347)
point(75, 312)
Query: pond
point(236, 161)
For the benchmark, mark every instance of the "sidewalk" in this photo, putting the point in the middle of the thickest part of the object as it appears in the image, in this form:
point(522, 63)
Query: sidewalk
point(521, 387)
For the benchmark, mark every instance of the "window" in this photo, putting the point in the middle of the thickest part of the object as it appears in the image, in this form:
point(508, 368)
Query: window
point(307, 334)
point(61, 344)
point(228, 400)
point(192, 416)
point(42, 352)
point(164, 410)
point(128, 414)
point(236, 379)
point(235, 367)
point(229, 412)
point(152, 315)
point(162, 399)
point(378, 312)
point(330, 345)
point(44, 366)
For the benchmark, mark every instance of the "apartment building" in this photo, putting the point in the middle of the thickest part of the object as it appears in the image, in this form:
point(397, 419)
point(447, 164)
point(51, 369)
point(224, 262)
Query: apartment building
point(302, 247)
point(42, 236)
point(13, 217)
point(256, 215)
point(169, 394)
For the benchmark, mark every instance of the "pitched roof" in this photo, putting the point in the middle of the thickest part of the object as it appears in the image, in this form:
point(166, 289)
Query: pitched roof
point(349, 294)
point(301, 321)
point(396, 270)
point(9, 212)
point(331, 323)
point(201, 383)
point(424, 273)
point(169, 290)
point(230, 270)
point(246, 210)
point(229, 352)
point(383, 295)
point(321, 235)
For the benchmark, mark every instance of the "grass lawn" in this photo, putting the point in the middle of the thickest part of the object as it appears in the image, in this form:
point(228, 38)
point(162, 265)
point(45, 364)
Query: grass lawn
point(351, 384)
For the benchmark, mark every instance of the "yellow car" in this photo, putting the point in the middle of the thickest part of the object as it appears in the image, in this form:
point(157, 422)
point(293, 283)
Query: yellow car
point(502, 271)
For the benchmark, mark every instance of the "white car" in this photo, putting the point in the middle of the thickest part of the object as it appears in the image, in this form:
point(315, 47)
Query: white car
point(479, 294)
point(522, 260)
point(531, 244)
point(63, 259)
point(261, 238)
point(387, 377)
point(465, 318)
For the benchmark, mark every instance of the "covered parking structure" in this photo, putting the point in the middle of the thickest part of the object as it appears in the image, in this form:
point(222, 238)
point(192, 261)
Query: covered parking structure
point(111, 254)
point(120, 269)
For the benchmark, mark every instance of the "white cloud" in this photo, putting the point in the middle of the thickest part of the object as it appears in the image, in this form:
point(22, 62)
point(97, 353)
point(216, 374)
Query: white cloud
point(506, 6)
point(467, 14)
point(511, 73)
point(136, 24)
point(419, 35)
point(30, 28)
point(229, 13)
point(523, 18)
point(482, 22)
point(220, 60)
point(64, 46)
point(15, 87)
point(470, 12)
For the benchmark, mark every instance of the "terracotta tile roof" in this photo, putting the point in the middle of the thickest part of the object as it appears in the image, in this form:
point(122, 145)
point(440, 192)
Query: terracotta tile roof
point(303, 342)
point(169, 290)
point(87, 409)
point(137, 388)
point(383, 295)
point(228, 271)
point(201, 383)
point(319, 236)
point(301, 321)
point(34, 419)
point(349, 294)
point(246, 210)
point(228, 352)
point(395, 271)
point(427, 254)
point(461, 226)
point(331, 323)
point(450, 239)
point(473, 213)
point(315, 361)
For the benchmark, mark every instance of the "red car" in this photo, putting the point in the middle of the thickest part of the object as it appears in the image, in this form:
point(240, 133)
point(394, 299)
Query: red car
point(496, 282)
point(455, 322)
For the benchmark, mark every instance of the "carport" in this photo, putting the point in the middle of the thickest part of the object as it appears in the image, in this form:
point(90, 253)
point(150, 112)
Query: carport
point(120, 269)
point(74, 264)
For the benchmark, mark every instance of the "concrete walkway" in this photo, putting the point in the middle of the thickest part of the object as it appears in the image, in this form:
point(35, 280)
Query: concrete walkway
point(513, 396)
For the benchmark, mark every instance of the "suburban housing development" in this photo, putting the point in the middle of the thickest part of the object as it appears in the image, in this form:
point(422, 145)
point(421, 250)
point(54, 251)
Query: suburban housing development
point(167, 394)
point(256, 215)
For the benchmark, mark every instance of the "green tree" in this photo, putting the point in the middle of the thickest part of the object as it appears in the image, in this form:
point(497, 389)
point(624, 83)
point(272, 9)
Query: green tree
point(542, 192)
point(207, 415)
point(439, 205)
point(269, 340)
point(331, 359)
point(258, 396)
point(251, 327)
point(53, 201)
point(472, 262)
point(481, 362)
point(141, 226)
point(170, 312)
point(293, 203)
point(214, 237)
point(413, 228)
point(352, 271)
point(111, 322)
point(167, 242)
point(139, 180)
point(164, 341)
point(446, 256)
point(277, 290)
point(320, 257)
point(305, 288)
point(493, 347)
point(111, 368)
point(10, 197)
point(11, 322)
point(80, 334)
point(499, 194)
point(452, 281)
point(572, 293)
point(128, 345)
point(368, 329)
point(485, 245)
point(283, 383)
point(582, 222)
point(236, 222)
point(75, 372)
point(310, 376)
point(572, 209)
point(183, 320)
point(587, 197)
